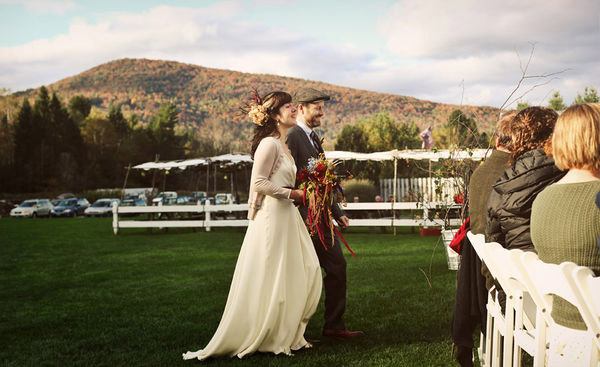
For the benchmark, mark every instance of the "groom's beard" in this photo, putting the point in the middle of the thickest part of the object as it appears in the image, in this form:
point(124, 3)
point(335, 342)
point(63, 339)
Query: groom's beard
point(313, 122)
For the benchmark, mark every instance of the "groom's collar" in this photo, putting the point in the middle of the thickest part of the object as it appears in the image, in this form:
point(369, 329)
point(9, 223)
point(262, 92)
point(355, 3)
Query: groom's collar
point(300, 122)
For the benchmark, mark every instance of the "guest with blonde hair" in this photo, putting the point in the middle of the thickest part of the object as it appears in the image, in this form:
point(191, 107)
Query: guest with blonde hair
point(565, 222)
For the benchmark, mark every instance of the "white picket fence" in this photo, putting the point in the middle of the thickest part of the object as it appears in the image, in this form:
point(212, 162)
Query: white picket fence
point(413, 188)
point(381, 215)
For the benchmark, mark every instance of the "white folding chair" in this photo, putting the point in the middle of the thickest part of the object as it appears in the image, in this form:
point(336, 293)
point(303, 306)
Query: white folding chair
point(518, 331)
point(565, 346)
point(502, 323)
point(485, 341)
point(587, 292)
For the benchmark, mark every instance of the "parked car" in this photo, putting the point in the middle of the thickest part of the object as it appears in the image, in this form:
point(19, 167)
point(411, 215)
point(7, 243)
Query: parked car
point(32, 208)
point(224, 199)
point(61, 197)
point(133, 201)
point(186, 200)
point(70, 207)
point(165, 198)
point(200, 196)
point(101, 207)
point(66, 195)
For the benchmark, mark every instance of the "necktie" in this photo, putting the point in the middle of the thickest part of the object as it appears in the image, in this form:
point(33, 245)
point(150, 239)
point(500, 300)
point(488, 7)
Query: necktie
point(316, 142)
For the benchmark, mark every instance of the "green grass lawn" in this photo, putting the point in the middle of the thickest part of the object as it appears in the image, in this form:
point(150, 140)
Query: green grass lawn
point(72, 293)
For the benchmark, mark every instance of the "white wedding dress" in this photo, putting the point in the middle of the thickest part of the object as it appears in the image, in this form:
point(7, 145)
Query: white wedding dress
point(277, 279)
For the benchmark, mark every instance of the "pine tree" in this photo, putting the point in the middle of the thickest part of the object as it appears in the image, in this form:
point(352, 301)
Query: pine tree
point(79, 108)
point(462, 130)
point(25, 147)
point(556, 102)
point(590, 95)
point(522, 105)
point(168, 145)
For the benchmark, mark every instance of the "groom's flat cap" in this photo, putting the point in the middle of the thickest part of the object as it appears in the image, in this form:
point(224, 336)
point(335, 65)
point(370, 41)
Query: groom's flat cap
point(309, 95)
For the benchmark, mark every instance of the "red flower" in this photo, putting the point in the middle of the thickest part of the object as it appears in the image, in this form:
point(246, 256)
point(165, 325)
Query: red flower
point(302, 175)
point(320, 170)
point(459, 198)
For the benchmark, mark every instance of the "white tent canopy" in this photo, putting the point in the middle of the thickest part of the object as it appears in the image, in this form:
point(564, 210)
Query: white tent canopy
point(232, 158)
point(417, 154)
point(346, 156)
point(181, 164)
point(436, 155)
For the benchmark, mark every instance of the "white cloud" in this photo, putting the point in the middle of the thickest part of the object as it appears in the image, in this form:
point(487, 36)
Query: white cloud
point(213, 36)
point(43, 6)
point(433, 47)
point(478, 41)
point(429, 28)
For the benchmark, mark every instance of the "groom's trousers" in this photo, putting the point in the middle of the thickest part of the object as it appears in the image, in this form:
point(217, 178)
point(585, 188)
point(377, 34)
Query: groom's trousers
point(333, 262)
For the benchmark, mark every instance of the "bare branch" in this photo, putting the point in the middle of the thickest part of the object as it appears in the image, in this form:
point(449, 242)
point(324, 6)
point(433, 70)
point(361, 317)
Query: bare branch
point(530, 89)
point(523, 74)
point(546, 75)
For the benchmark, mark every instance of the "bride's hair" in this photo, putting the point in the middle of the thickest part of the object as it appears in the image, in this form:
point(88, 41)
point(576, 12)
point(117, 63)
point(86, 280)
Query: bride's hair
point(272, 102)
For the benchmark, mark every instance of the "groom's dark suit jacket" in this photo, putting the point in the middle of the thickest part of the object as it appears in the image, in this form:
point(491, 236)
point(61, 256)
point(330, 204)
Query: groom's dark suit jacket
point(302, 150)
point(331, 259)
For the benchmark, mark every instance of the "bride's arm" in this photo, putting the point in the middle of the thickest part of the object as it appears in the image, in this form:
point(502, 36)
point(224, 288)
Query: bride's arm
point(264, 158)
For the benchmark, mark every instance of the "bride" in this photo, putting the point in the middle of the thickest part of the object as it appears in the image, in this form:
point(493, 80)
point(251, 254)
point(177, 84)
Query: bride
point(277, 279)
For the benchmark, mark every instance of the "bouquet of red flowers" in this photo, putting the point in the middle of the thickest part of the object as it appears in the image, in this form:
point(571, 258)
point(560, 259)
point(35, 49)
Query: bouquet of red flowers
point(321, 187)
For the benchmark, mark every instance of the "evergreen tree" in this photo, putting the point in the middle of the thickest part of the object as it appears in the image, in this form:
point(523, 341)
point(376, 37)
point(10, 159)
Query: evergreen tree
point(168, 145)
point(462, 130)
point(26, 148)
point(44, 134)
point(79, 108)
point(118, 121)
point(353, 139)
point(522, 105)
point(385, 133)
point(6, 154)
point(123, 152)
point(556, 102)
point(590, 95)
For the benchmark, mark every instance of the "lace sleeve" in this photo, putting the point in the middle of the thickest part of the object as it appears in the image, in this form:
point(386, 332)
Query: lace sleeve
point(264, 158)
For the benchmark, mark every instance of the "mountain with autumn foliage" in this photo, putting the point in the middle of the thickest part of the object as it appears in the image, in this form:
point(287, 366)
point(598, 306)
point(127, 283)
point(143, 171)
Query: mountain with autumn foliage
point(208, 99)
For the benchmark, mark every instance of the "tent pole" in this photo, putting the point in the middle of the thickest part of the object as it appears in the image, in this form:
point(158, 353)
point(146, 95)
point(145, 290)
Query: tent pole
point(207, 177)
point(215, 180)
point(125, 182)
point(231, 179)
point(156, 157)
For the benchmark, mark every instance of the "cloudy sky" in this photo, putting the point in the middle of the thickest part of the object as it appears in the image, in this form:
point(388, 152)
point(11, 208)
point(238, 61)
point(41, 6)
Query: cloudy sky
point(455, 51)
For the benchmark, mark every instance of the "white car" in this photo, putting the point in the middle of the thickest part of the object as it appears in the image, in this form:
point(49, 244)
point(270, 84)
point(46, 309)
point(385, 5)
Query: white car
point(101, 207)
point(224, 199)
point(165, 198)
point(32, 208)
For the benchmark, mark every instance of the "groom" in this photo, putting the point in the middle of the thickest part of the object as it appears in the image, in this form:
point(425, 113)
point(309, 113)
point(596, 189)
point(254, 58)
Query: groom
point(304, 143)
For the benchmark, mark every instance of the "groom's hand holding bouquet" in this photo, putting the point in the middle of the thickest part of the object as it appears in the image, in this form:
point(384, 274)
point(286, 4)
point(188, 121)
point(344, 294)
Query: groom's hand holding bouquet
point(321, 189)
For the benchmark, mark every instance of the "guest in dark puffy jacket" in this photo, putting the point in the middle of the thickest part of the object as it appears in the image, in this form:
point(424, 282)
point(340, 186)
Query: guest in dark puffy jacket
point(509, 204)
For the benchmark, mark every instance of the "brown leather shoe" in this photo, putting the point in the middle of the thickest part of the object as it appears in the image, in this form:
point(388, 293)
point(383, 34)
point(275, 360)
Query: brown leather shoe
point(342, 334)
